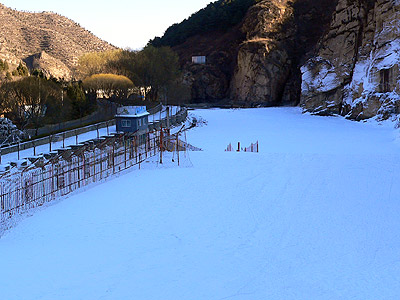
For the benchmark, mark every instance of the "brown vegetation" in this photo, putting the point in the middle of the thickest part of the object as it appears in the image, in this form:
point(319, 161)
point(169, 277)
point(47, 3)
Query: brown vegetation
point(110, 85)
point(25, 34)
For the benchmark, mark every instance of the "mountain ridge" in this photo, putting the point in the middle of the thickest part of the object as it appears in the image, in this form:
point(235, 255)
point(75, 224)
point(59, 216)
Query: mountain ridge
point(26, 34)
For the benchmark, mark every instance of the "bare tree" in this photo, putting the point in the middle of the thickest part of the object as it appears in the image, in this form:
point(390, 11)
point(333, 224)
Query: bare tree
point(24, 100)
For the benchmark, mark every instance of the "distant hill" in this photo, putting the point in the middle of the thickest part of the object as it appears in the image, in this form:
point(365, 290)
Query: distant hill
point(45, 40)
point(219, 15)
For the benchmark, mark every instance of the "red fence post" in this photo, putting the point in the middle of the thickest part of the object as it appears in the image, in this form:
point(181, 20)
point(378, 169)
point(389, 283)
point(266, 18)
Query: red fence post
point(124, 151)
point(161, 145)
point(177, 147)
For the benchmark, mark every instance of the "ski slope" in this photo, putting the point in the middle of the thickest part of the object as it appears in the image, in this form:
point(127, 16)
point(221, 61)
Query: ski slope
point(314, 215)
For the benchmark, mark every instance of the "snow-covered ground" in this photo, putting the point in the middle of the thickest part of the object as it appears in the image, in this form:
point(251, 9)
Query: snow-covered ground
point(314, 215)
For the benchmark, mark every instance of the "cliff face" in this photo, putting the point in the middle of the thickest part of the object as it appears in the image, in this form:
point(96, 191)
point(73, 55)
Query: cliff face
point(264, 61)
point(46, 40)
point(210, 82)
point(329, 56)
point(355, 71)
point(258, 61)
point(279, 33)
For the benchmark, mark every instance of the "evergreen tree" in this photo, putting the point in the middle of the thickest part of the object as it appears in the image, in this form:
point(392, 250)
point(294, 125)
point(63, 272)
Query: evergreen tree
point(79, 101)
point(219, 15)
point(22, 70)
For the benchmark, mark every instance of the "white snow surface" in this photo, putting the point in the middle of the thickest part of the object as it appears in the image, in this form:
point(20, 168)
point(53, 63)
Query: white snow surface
point(314, 215)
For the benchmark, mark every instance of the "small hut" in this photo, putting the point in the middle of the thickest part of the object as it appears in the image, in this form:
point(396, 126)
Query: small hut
point(132, 119)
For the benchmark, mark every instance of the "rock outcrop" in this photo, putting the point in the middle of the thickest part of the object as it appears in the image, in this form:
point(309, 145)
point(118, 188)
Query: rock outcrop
point(258, 61)
point(278, 35)
point(50, 66)
point(24, 35)
point(355, 70)
point(264, 60)
point(329, 56)
point(210, 82)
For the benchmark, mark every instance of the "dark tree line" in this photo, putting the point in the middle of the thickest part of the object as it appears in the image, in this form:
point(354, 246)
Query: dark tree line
point(33, 101)
point(222, 15)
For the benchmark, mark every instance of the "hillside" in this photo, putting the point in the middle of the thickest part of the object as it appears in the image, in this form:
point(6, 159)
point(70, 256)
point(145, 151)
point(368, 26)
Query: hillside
point(330, 57)
point(45, 40)
point(220, 15)
point(238, 61)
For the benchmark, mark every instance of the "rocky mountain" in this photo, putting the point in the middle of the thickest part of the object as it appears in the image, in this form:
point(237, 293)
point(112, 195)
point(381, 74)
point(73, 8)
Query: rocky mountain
point(46, 41)
point(328, 56)
point(355, 69)
point(257, 61)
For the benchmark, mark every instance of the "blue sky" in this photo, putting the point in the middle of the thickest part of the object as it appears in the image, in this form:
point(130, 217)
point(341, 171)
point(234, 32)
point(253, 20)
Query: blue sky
point(124, 23)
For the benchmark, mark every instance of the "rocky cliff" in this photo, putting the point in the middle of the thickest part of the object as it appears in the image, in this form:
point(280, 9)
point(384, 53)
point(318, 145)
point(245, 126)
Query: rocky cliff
point(278, 35)
point(355, 69)
point(328, 56)
point(260, 57)
point(45, 40)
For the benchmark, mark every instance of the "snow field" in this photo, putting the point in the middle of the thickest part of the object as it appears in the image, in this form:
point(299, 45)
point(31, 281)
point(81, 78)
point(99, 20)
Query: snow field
point(314, 215)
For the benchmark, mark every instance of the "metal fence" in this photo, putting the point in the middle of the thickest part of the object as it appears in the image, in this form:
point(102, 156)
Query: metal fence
point(179, 117)
point(60, 174)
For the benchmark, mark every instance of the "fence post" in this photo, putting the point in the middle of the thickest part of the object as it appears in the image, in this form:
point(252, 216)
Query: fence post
point(79, 170)
point(50, 138)
point(161, 145)
point(124, 151)
point(76, 137)
point(113, 157)
point(63, 139)
point(238, 150)
point(168, 118)
point(34, 148)
point(177, 147)
point(155, 142)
